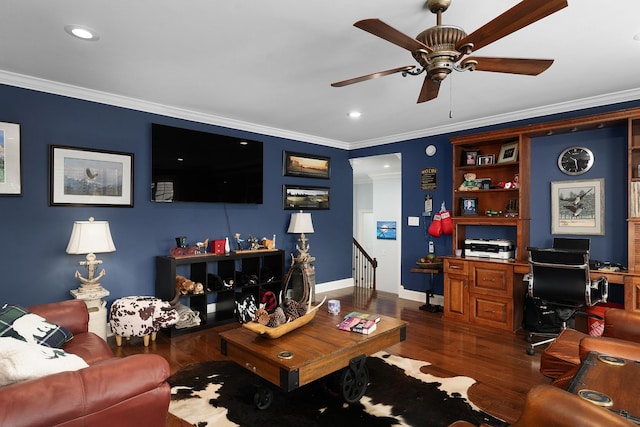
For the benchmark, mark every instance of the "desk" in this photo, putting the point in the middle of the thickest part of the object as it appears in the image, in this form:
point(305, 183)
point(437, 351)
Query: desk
point(615, 378)
point(436, 268)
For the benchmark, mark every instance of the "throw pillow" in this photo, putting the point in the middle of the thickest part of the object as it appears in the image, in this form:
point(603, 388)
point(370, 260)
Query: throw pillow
point(17, 322)
point(20, 361)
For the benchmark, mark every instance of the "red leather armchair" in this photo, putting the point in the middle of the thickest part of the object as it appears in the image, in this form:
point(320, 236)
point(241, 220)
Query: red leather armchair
point(128, 392)
point(546, 405)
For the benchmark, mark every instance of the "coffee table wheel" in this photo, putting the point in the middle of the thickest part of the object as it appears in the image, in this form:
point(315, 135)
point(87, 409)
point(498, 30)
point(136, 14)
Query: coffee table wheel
point(354, 379)
point(263, 398)
point(531, 351)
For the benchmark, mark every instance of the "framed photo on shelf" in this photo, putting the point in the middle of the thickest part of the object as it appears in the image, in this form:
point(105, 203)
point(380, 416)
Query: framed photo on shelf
point(10, 162)
point(486, 159)
point(305, 197)
point(82, 176)
point(508, 153)
point(577, 207)
point(469, 206)
point(306, 165)
point(469, 157)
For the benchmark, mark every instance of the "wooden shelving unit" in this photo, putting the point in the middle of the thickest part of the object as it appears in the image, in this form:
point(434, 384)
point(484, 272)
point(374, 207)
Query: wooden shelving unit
point(267, 266)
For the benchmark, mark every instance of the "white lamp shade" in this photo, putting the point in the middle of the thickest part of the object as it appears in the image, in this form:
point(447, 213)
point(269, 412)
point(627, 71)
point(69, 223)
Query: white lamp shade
point(90, 237)
point(300, 223)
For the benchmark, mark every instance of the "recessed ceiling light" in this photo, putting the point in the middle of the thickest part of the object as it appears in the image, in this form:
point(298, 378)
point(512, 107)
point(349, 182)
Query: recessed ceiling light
point(386, 166)
point(82, 32)
point(637, 37)
point(355, 114)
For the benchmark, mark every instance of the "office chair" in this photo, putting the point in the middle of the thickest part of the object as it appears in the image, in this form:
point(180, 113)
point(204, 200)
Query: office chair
point(560, 277)
point(583, 244)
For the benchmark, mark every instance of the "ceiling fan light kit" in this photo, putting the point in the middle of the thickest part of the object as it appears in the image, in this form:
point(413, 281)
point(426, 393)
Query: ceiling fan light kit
point(442, 48)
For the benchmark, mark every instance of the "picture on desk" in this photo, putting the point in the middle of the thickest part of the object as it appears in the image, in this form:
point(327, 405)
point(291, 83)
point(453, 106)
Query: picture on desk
point(386, 230)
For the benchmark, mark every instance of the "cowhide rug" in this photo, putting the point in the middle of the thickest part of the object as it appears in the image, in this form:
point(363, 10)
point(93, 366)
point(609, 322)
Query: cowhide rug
point(220, 393)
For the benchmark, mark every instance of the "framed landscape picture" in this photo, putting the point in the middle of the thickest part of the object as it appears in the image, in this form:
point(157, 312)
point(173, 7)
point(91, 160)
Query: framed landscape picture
point(306, 165)
point(82, 176)
point(306, 197)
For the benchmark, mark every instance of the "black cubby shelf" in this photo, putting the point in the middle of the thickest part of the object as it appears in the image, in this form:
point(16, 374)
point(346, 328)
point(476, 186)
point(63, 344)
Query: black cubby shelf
point(217, 307)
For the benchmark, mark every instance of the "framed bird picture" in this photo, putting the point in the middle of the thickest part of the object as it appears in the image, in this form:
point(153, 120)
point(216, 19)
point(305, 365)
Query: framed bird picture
point(82, 176)
point(577, 207)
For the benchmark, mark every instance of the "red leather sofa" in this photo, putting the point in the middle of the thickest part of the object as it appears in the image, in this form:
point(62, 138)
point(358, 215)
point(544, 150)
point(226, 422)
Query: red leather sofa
point(127, 392)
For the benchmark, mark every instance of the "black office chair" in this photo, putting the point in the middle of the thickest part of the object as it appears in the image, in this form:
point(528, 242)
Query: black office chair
point(561, 279)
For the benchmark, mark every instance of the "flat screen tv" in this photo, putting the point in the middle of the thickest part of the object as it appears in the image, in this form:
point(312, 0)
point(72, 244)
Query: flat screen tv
point(194, 166)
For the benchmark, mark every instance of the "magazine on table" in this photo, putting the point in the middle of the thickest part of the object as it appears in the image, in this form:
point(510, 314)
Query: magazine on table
point(363, 323)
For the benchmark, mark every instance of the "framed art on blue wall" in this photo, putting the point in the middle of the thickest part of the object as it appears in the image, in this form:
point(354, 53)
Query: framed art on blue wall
point(305, 197)
point(10, 160)
point(82, 176)
point(306, 165)
point(577, 207)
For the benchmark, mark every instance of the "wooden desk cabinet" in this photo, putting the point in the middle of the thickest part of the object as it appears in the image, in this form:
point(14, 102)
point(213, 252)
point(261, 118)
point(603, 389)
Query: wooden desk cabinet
point(483, 292)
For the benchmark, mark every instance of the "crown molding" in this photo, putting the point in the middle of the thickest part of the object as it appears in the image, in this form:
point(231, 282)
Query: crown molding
point(57, 88)
point(71, 91)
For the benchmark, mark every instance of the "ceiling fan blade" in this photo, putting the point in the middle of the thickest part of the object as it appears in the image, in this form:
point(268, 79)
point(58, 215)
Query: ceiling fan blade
point(531, 67)
point(429, 90)
point(372, 76)
point(524, 13)
point(390, 34)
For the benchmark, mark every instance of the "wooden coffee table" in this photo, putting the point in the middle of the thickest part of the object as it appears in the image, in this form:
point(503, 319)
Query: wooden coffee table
point(311, 352)
point(610, 382)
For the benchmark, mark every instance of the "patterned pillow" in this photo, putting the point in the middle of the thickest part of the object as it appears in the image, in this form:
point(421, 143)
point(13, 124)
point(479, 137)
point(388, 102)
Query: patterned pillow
point(17, 322)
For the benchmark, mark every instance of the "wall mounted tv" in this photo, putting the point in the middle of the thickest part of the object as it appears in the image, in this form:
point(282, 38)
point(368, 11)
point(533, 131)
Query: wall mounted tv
point(193, 166)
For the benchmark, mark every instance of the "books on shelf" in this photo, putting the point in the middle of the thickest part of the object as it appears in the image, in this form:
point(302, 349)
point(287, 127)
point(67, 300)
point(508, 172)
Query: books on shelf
point(363, 323)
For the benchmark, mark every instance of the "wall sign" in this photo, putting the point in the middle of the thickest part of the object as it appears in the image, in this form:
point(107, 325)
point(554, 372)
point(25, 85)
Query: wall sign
point(429, 179)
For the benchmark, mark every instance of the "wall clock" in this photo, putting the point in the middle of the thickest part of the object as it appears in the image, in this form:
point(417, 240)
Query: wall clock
point(430, 150)
point(575, 160)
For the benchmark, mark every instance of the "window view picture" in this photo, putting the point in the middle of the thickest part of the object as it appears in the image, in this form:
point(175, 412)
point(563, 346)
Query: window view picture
point(577, 207)
point(386, 230)
point(298, 164)
point(306, 197)
point(88, 177)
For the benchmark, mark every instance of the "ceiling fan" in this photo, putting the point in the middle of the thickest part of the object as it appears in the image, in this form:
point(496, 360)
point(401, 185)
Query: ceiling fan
point(440, 49)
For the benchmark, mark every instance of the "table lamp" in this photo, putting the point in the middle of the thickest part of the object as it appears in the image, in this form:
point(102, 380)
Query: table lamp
point(90, 237)
point(301, 223)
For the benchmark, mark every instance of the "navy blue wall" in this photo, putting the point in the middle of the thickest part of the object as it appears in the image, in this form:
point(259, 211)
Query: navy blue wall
point(36, 268)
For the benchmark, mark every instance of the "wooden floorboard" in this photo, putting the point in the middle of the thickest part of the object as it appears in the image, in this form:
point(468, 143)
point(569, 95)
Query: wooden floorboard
point(495, 359)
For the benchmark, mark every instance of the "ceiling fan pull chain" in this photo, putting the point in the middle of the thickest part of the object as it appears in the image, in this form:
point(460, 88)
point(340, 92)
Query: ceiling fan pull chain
point(451, 97)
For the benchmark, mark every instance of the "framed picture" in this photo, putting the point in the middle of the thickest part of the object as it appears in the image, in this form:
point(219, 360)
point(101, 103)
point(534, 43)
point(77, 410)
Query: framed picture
point(82, 176)
point(386, 230)
point(306, 165)
point(577, 207)
point(305, 197)
point(469, 157)
point(508, 152)
point(10, 160)
point(486, 159)
point(469, 206)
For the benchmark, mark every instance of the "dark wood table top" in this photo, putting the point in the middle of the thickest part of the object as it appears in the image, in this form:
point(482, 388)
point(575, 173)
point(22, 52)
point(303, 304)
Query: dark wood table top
point(615, 378)
point(317, 348)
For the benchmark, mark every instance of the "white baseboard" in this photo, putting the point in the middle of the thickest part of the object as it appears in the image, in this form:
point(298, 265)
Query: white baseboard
point(420, 296)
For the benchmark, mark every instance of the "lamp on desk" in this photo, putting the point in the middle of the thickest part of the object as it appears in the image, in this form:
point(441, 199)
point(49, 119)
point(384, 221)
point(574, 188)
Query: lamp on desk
point(90, 237)
point(301, 223)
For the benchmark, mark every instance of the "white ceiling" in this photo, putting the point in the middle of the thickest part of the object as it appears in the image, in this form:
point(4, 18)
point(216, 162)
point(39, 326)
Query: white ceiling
point(266, 66)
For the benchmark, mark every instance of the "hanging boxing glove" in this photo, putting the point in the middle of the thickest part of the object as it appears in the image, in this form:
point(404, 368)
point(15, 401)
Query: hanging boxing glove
point(435, 229)
point(447, 222)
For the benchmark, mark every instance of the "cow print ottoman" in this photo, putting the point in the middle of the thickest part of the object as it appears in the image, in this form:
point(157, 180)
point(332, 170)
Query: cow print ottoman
point(140, 317)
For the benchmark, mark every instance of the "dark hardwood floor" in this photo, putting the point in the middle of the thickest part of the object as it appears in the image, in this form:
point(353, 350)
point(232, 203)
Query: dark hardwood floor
point(495, 359)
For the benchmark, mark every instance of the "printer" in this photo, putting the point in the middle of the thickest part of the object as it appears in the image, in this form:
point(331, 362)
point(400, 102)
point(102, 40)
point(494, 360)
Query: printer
point(499, 248)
